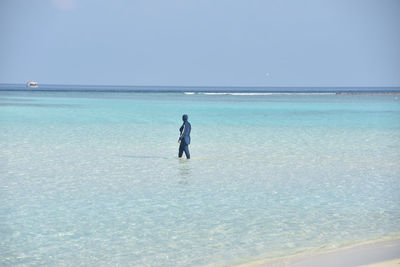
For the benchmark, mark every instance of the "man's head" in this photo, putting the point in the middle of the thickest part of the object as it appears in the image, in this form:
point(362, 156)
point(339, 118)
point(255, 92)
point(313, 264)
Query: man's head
point(185, 117)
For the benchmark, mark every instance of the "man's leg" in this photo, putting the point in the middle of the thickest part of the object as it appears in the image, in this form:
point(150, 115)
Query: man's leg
point(181, 147)
point(187, 151)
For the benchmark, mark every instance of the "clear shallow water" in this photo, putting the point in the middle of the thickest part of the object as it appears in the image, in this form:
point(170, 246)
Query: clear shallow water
point(93, 178)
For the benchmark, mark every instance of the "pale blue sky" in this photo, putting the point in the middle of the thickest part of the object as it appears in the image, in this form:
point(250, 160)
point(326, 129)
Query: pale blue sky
point(201, 42)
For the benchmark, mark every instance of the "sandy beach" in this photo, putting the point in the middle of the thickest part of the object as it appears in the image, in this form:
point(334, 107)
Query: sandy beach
point(391, 263)
point(380, 254)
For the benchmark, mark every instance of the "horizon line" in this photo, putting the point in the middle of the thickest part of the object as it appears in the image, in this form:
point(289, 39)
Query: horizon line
point(206, 86)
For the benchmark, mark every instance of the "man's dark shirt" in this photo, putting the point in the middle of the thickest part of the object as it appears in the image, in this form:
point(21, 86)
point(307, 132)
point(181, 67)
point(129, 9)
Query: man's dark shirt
point(185, 132)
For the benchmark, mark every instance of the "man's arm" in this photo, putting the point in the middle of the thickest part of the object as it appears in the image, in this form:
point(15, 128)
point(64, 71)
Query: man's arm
point(182, 134)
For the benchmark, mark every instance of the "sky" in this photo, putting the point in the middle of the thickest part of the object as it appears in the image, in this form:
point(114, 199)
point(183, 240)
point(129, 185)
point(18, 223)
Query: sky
point(201, 42)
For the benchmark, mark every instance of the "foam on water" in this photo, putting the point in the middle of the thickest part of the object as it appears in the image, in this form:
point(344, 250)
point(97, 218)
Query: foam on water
point(258, 94)
point(93, 178)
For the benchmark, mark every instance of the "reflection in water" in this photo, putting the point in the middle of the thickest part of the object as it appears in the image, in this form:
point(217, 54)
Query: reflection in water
point(184, 169)
point(143, 157)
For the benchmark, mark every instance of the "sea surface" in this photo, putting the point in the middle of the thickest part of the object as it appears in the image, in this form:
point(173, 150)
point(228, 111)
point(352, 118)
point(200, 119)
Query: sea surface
point(93, 178)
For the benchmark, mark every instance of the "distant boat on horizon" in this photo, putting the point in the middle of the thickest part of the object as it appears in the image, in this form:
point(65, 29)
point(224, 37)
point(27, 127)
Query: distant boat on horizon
point(32, 84)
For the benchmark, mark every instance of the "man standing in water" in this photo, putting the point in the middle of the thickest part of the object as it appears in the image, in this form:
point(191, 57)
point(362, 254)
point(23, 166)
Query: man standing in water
point(184, 138)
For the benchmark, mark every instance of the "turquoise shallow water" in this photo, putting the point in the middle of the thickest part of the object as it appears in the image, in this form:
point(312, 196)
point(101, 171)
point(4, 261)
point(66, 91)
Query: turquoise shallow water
point(93, 178)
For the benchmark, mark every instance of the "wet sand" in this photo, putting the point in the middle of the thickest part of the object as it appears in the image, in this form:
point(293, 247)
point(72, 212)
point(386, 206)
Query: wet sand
point(380, 254)
point(392, 263)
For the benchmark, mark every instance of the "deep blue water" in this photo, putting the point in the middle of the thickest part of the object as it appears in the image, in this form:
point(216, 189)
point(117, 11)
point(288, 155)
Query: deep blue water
point(155, 89)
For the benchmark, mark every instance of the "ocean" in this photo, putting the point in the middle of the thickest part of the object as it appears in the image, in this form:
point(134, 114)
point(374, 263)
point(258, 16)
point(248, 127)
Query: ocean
point(93, 177)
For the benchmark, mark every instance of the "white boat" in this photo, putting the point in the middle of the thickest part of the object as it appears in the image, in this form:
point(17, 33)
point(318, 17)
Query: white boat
point(32, 84)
